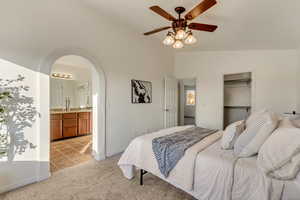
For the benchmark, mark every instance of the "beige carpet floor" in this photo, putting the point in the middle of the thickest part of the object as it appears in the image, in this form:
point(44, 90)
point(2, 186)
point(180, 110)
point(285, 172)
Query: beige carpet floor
point(96, 181)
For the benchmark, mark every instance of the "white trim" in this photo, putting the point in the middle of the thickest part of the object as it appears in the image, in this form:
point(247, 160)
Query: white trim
point(165, 102)
point(196, 106)
point(99, 111)
point(42, 170)
point(21, 183)
point(181, 116)
point(98, 157)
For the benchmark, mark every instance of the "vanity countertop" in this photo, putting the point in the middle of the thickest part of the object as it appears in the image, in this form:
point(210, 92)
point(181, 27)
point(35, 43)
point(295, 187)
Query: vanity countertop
point(71, 111)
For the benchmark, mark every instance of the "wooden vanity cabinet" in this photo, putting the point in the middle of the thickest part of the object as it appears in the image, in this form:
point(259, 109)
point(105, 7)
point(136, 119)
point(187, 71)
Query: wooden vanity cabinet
point(70, 125)
point(56, 126)
point(84, 123)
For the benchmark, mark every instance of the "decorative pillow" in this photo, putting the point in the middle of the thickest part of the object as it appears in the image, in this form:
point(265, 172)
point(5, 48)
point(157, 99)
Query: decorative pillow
point(279, 156)
point(231, 133)
point(252, 148)
point(266, 122)
point(252, 118)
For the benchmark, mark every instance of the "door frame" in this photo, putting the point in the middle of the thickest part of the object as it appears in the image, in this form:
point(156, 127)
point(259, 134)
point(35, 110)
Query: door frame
point(196, 99)
point(165, 102)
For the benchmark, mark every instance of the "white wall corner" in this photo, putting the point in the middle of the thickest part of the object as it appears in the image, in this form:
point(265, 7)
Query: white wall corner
point(98, 156)
point(43, 171)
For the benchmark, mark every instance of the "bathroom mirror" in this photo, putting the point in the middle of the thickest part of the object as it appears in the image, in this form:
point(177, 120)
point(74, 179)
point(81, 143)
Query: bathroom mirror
point(78, 93)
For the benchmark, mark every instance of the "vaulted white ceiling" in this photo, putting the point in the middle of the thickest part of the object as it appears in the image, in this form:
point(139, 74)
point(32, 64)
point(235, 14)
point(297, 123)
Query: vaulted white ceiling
point(243, 24)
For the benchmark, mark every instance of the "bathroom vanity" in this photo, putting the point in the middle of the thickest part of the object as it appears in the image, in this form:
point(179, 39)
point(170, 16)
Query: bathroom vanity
point(71, 108)
point(70, 124)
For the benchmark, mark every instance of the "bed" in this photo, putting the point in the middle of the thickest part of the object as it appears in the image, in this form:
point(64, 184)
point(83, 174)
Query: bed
point(208, 172)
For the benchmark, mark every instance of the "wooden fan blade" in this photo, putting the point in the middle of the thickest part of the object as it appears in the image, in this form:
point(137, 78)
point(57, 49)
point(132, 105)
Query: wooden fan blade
point(162, 12)
point(200, 8)
point(202, 27)
point(157, 30)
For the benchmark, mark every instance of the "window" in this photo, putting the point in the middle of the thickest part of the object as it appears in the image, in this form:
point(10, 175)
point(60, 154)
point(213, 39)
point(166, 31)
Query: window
point(190, 97)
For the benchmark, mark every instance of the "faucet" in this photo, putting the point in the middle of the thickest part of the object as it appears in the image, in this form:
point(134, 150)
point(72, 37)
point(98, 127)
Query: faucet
point(87, 101)
point(68, 102)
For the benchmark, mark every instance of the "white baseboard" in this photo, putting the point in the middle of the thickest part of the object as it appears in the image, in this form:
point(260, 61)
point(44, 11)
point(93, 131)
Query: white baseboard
point(43, 177)
point(24, 182)
point(42, 173)
point(98, 157)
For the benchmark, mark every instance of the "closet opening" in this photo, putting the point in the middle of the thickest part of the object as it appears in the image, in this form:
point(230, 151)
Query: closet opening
point(237, 97)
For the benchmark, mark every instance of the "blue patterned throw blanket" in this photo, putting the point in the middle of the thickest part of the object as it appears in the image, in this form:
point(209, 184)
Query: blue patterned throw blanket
point(169, 149)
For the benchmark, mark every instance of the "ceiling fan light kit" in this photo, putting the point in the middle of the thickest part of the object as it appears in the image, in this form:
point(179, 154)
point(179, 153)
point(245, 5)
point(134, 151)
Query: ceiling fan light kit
point(190, 39)
point(180, 34)
point(178, 44)
point(180, 38)
point(182, 31)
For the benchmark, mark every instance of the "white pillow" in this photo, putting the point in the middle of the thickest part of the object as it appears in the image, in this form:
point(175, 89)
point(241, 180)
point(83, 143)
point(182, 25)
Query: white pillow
point(261, 136)
point(253, 117)
point(265, 122)
point(279, 156)
point(231, 133)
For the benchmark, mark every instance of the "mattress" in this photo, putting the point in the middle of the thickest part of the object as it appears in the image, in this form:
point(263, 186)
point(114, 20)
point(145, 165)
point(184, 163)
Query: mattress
point(141, 147)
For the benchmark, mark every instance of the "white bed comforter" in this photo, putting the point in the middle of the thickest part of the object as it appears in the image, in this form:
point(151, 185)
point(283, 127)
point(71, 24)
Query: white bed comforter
point(219, 175)
point(139, 154)
point(206, 171)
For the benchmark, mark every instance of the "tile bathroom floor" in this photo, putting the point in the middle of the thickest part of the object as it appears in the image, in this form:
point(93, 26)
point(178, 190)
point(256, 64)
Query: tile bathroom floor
point(70, 152)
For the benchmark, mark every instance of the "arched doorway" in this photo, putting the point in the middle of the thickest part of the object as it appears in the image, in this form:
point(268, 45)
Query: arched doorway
point(98, 108)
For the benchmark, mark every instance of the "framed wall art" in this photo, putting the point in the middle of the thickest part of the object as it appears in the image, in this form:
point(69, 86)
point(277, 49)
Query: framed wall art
point(141, 91)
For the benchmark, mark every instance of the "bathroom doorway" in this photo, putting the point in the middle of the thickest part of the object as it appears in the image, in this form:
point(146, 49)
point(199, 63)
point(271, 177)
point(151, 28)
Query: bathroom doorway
point(71, 112)
point(187, 102)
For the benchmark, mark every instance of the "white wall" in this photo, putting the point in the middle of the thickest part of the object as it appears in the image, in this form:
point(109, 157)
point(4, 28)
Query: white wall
point(275, 79)
point(35, 29)
point(23, 168)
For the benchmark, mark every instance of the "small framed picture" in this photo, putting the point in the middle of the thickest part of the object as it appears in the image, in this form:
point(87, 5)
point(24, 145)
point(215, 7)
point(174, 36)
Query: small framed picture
point(141, 91)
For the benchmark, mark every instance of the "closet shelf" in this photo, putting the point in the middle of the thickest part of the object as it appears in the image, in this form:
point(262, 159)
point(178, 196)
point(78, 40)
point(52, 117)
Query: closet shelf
point(247, 80)
point(238, 107)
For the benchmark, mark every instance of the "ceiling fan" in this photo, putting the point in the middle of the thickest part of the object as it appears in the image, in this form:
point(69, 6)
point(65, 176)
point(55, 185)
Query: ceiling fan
point(182, 30)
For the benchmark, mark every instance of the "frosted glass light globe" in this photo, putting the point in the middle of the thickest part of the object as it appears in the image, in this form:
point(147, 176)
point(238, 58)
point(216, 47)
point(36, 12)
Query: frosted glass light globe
point(190, 39)
point(180, 35)
point(169, 40)
point(178, 44)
